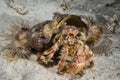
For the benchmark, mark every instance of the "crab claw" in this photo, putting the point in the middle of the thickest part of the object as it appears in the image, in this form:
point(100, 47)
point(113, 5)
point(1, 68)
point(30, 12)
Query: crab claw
point(73, 67)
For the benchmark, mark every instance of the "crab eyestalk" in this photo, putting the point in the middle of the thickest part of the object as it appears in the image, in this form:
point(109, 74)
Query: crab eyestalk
point(70, 33)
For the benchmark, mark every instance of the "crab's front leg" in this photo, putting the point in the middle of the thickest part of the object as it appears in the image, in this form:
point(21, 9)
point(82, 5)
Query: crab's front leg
point(75, 66)
point(78, 62)
point(48, 54)
point(61, 64)
point(89, 55)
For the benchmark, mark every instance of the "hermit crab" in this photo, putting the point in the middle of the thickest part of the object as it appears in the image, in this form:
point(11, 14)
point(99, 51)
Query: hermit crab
point(74, 53)
point(72, 37)
point(77, 37)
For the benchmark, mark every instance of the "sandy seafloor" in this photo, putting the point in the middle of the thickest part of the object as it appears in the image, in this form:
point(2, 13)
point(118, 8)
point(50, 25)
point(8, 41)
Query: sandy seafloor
point(106, 67)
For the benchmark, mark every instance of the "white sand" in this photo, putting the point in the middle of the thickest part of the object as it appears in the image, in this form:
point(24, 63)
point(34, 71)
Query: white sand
point(106, 68)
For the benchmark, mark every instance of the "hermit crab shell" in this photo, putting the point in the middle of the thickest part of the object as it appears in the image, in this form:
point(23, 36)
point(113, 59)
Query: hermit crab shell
point(41, 36)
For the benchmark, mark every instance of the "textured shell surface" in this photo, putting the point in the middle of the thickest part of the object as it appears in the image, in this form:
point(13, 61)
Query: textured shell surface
point(40, 41)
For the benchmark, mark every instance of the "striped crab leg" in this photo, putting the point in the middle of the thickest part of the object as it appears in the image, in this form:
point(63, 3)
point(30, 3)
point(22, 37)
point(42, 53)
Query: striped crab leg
point(50, 52)
point(78, 62)
point(62, 62)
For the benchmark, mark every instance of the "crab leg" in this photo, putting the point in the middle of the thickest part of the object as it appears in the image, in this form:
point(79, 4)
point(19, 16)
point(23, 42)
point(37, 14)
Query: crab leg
point(89, 55)
point(61, 63)
point(50, 52)
point(76, 66)
point(78, 62)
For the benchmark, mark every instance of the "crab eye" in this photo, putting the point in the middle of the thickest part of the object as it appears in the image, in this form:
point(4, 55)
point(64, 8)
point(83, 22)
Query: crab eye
point(64, 35)
point(78, 34)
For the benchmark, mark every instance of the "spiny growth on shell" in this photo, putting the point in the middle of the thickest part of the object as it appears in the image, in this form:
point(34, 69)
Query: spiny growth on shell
point(14, 53)
point(99, 34)
point(18, 40)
